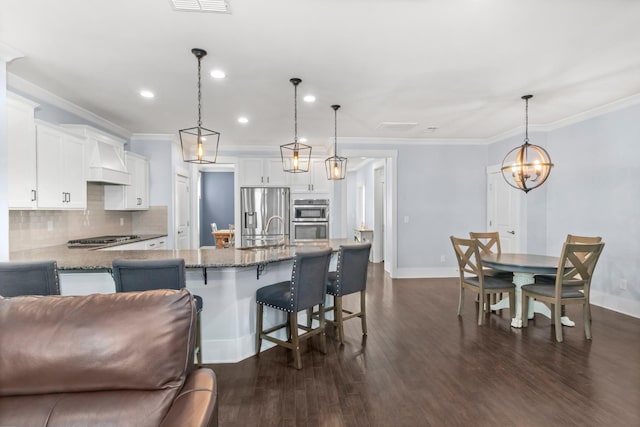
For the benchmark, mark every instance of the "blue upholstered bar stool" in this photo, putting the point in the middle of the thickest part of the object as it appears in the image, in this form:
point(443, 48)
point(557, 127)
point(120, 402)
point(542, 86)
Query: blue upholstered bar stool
point(29, 278)
point(350, 277)
point(306, 289)
point(145, 275)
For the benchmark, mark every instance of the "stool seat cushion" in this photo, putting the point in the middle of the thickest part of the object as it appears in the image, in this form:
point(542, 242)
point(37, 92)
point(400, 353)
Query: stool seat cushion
point(277, 296)
point(550, 291)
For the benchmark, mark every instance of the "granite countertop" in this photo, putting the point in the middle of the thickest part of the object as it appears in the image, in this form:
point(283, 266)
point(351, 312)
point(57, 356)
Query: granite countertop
point(92, 259)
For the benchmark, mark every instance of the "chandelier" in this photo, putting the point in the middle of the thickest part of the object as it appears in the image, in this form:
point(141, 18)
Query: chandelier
point(199, 144)
point(528, 166)
point(296, 157)
point(336, 166)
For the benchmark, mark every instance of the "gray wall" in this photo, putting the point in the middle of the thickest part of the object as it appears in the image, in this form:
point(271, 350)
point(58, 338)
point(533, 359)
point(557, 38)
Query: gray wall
point(4, 174)
point(216, 204)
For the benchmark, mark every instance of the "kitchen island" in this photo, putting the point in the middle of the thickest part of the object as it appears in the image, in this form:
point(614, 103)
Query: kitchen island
point(226, 279)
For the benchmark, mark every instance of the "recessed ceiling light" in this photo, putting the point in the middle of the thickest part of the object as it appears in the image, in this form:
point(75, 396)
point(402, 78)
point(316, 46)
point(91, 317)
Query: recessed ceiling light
point(243, 120)
point(431, 129)
point(146, 94)
point(309, 98)
point(302, 139)
point(218, 74)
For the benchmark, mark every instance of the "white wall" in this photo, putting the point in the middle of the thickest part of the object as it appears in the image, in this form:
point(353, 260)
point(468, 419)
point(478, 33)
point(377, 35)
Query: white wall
point(4, 174)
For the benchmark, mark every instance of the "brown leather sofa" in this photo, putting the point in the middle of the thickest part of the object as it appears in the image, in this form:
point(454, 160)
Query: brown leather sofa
point(103, 360)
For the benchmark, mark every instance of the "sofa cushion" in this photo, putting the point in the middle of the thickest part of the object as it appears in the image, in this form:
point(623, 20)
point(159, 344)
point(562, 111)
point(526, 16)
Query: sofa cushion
point(135, 408)
point(65, 344)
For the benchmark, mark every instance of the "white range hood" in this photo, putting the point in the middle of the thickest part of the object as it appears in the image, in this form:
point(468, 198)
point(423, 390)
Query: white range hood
point(104, 156)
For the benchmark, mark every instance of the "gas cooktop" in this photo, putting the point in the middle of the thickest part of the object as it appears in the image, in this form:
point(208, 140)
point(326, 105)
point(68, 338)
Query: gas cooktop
point(99, 241)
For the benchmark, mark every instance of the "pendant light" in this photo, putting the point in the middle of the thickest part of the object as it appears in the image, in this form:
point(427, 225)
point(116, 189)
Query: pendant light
point(336, 166)
point(199, 144)
point(296, 157)
point(528, 166)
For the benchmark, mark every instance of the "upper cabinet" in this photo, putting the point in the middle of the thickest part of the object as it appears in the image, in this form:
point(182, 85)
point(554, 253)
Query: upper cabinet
point(314, 181)
point(60, 168)
point(134, 196)
point(104, 156)
point(21, 127)
point(262, 172)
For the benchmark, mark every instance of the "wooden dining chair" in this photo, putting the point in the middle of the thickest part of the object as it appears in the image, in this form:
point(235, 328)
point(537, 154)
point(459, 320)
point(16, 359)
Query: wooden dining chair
point(572, 284)
point(469, 261)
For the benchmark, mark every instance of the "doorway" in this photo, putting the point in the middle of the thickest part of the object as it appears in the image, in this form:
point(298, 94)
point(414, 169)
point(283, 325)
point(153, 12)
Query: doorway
point(216, 203)
point(183, 230)
point(379, 208)
point(504, 211)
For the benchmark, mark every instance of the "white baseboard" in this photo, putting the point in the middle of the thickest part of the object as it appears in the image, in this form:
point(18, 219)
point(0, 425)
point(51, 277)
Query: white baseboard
point(423, 273)
point(616, 303)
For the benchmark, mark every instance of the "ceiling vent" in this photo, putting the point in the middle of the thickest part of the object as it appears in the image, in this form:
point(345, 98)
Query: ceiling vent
point(217, 6)
point(397, 125)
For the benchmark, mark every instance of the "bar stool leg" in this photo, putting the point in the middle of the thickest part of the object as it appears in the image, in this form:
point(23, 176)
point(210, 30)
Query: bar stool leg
point(323, 335)
point(293, 324)
point(337, 314)
point(259, 328)
point(363, 312)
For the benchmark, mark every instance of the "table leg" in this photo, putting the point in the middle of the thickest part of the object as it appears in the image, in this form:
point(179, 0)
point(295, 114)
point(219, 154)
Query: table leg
point(520, 279)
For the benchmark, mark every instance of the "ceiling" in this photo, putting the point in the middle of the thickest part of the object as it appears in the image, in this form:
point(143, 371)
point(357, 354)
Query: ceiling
point(458, 65)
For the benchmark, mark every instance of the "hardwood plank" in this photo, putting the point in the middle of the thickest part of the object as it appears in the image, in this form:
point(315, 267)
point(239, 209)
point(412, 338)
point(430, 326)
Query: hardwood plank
point(423, 365)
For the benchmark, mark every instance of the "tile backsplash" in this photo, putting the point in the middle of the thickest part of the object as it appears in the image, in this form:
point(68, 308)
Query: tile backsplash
point(39, 228)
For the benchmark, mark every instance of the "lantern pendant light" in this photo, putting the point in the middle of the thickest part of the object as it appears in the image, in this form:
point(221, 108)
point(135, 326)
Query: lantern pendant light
point(528, 166)
point(199, 144)
point(296, 157)
point(335, 166)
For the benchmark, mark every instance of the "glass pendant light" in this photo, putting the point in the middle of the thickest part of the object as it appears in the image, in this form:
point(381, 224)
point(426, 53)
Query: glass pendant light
point(528, 166)
point(199, 144)
point(335, 166)
point(296, 157)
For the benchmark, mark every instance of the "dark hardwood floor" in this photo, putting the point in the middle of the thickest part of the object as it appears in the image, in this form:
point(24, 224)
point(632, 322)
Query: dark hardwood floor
point(422, 365)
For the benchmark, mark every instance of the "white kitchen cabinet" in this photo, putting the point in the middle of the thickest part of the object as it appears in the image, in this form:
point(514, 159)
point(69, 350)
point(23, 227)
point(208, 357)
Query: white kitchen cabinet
point(314, 181)
point(262, 172)
point(60, 168)
point(134, 196)
point(21, 130)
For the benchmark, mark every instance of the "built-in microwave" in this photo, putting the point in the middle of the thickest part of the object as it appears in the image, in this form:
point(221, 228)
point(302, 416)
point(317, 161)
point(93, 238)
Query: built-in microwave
point(310, 210)
point(309, 231)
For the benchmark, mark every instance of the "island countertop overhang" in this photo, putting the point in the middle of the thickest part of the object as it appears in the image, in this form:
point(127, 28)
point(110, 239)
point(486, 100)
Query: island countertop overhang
point(209, 257)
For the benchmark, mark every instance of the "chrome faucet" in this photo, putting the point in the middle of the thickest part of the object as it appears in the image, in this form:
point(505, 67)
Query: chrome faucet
point(266, 228)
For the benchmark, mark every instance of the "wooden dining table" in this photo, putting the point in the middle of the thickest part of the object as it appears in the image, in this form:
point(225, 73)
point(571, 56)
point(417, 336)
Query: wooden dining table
point(524, 268)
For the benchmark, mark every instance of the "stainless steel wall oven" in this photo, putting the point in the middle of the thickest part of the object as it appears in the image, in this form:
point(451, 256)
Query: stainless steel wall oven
point(309, 220)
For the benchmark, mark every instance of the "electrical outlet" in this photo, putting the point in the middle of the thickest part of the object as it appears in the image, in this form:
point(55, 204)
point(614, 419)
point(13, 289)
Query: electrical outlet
point(121, 222)
point(406, 219)
point(50, 225)
point(623, 284)
point(443, 258)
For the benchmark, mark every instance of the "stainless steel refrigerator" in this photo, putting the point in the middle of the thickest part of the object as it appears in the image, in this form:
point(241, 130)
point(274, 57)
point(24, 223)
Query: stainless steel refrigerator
point(264, 215)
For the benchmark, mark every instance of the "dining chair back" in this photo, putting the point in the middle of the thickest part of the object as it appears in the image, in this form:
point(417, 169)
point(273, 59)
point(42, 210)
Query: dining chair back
point(146, 275)
point(488, 242)
point(29, 278)
point(350, 277)
point(572, 285)
point(306, 289)
point(469, 261)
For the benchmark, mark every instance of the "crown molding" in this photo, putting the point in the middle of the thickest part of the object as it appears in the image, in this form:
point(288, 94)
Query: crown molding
point(8, 54)
point(413, 141)
point(155, 137)
point(21, 85)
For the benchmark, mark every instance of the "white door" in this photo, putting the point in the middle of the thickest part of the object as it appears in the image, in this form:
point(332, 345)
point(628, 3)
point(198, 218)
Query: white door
point(504, 211)
point(182, 212)
point(378, 215)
